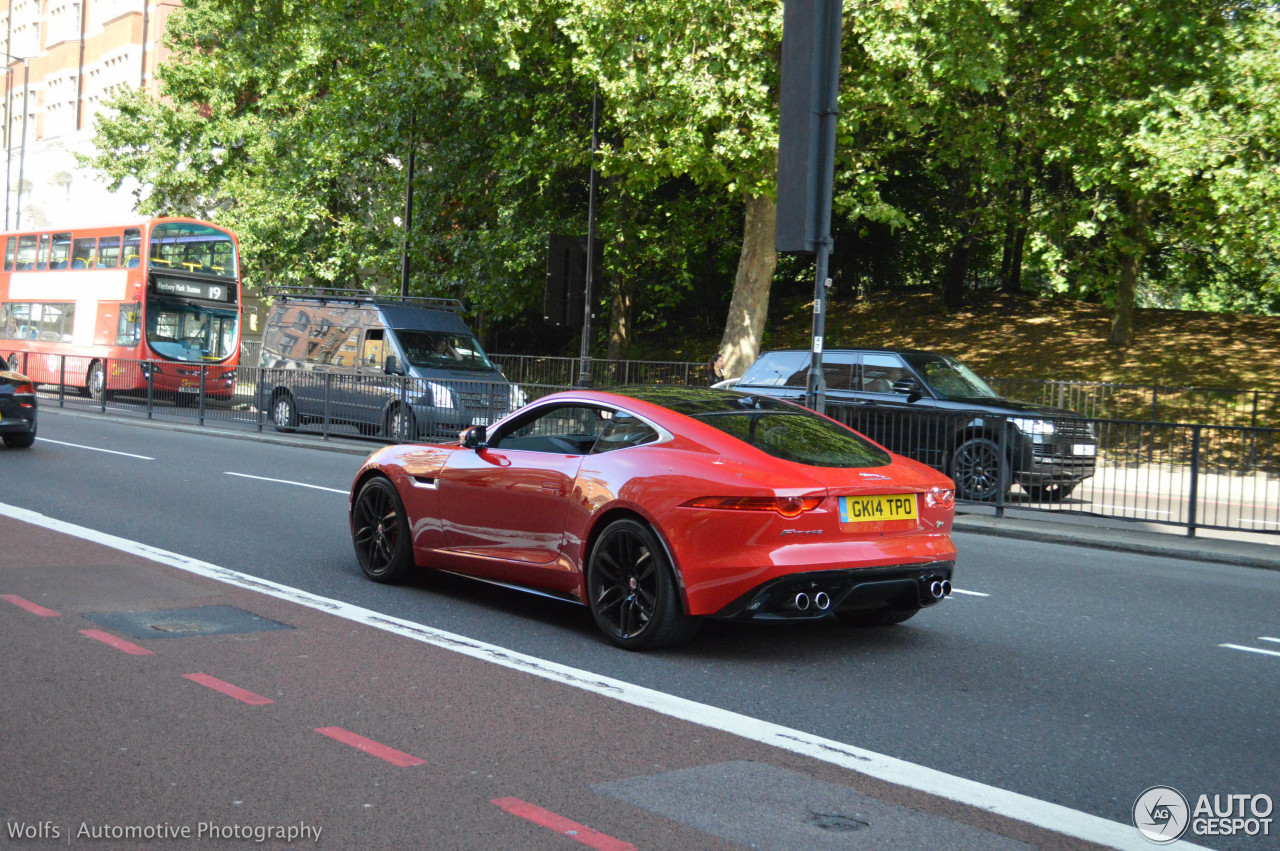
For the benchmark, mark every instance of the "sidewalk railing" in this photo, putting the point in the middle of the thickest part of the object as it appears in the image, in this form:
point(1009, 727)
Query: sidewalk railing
point(1192, 476)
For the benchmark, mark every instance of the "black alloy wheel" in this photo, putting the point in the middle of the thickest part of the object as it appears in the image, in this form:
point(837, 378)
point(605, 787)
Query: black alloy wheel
point(380, 532)
point(975, 467)
point(632, 592)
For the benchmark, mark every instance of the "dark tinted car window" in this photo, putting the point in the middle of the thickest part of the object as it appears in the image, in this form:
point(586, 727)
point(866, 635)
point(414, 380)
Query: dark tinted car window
point(949, 378)
point(799, 436)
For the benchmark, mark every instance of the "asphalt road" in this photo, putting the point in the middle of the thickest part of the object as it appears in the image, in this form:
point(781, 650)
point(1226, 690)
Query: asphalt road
point(1072, 675)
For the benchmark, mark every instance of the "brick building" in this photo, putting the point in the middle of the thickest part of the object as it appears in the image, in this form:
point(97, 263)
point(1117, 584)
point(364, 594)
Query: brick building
point(64, 58)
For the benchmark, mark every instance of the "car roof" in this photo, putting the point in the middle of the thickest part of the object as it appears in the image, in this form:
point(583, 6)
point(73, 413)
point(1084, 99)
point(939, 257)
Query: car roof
point(689, 401)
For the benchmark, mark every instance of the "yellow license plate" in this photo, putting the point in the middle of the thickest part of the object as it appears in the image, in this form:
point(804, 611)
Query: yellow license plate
point(871, 509)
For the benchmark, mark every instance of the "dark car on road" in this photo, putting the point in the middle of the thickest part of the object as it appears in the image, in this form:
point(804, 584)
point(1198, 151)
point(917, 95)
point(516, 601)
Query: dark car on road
point(933, 408)
point(17, 410)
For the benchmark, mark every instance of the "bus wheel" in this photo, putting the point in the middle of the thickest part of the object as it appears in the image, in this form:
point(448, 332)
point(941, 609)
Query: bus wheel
point(14, 363)
point(284, 415)
point(96, 384)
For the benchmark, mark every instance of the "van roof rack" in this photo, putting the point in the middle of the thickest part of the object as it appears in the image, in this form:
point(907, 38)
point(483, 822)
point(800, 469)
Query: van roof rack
point(363, 296)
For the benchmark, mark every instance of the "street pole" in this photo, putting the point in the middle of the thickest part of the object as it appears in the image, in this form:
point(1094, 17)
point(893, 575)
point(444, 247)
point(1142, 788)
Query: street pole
point(22, 153)
point(826, 75)
point(8, 140)
point(584, 370)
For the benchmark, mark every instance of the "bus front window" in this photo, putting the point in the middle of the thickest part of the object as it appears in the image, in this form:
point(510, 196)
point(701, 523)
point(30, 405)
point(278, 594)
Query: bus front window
point(183, 331)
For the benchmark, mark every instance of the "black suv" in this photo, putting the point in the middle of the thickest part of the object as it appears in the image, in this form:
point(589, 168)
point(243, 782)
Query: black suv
point(932, 408)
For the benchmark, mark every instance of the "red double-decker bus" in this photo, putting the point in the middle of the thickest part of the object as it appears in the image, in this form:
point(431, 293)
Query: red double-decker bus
point(116, 308)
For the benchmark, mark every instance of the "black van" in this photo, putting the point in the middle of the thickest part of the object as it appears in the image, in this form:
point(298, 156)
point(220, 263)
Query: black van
point(933, 408)
point(403, 368)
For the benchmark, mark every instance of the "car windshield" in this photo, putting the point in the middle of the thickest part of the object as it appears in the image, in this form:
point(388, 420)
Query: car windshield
point(948, 378)
point(443, 350)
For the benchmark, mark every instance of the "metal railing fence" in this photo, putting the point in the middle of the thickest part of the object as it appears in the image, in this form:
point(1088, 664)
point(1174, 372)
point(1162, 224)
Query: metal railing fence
point(1156, 403)
point(1193, 476)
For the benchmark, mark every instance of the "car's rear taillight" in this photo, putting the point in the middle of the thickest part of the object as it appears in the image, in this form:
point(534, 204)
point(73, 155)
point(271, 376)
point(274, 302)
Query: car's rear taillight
point(24, 390)
point(940, 497)
point(787, 506)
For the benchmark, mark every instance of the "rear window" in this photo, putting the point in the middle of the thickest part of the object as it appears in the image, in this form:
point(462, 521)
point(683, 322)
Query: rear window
point(801, 437)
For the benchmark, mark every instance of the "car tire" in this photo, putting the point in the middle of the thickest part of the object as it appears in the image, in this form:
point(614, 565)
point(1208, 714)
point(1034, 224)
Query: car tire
point(284, 413)
point(95, 383)
point(400, 424)
point(975, 468)
point(876, 617)
point(380, 532)
point(22, 440)
point(632, 591)
point(1050, 493)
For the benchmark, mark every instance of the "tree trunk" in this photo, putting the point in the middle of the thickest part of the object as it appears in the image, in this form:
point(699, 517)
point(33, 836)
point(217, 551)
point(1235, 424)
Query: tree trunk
point(620, 322)
point(1015, 243)
point(957, 268)
point(744, 327)
point(1133, 249)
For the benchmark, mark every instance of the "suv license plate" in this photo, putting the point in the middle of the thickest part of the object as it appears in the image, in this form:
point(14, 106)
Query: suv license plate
point(1084, 449)
point(874, 509)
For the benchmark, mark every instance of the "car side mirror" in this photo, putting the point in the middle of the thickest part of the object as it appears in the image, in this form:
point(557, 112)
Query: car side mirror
point(475, 437)
point(910, 388)
point(391, 366)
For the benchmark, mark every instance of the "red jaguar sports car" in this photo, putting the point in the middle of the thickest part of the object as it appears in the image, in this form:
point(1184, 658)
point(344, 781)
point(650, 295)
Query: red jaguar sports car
point(657, 507)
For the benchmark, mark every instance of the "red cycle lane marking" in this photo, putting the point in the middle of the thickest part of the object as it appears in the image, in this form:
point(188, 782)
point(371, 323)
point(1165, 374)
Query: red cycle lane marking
point(561, 825)
point(34, 608)
point(370, 747)
point(242, 695)
point(118, 643)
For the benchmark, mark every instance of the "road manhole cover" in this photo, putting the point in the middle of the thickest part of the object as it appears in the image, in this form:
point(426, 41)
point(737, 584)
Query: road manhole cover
point(183, 623)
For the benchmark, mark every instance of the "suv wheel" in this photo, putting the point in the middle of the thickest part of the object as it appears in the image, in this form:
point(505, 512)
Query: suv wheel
point(975, 467)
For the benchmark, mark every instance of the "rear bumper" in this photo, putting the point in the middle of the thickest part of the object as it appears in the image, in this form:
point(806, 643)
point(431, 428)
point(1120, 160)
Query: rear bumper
point(896, 586)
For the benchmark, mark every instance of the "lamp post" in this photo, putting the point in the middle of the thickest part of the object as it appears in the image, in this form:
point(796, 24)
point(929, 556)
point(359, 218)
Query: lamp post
point(22, 154)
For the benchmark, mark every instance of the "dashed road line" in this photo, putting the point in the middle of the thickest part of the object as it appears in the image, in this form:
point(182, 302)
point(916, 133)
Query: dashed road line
point(1251, 649)
point(369, 746)
point(561, 825)
point(242, 695)
point(287, 482)
point(97, 449)
point(33, 608)
point(118, 643)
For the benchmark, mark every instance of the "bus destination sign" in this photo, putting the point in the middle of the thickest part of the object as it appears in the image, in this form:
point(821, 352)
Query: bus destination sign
point(192, 289)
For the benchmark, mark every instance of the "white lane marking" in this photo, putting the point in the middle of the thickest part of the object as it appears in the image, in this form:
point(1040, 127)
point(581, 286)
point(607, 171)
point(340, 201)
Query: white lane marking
point(287, 482)
point(1251, 649)
point(97, 449)
point(955, 590)
point(1013, 805)
point(1264, 638)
